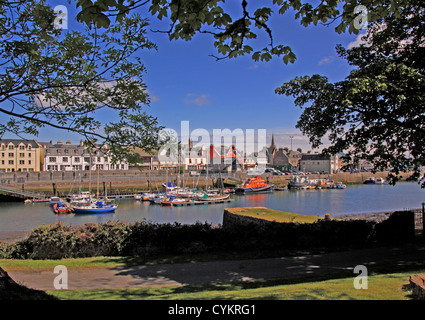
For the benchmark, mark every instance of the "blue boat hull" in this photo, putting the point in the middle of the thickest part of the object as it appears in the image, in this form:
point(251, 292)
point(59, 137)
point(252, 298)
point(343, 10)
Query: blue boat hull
point(94, 210)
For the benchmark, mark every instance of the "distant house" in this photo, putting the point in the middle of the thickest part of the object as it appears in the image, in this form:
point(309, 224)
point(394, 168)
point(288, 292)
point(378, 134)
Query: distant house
point(20, 155)
point(195, 157)
point(319, 163)
point(226, 161)
point(280, 158)
point(145, 159)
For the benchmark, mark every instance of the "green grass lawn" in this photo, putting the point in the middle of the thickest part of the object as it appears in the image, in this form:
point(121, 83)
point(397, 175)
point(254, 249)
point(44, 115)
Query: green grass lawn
point(384, 286)
point(273, 215)
point(380, 287)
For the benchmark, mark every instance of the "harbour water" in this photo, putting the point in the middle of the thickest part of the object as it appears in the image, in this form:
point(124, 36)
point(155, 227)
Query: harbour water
point(354, 199)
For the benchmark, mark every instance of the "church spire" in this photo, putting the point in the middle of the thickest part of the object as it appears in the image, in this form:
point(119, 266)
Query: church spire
point(272, 145)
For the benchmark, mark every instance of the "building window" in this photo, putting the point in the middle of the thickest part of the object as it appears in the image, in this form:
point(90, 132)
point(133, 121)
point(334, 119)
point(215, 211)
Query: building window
point(64, 159)
point(11, 155)
point(77, 159)
point(21, 161)
point(21, 147)
point(22, 155)
point(11, 147)
point(52, 159)
point(10, 161)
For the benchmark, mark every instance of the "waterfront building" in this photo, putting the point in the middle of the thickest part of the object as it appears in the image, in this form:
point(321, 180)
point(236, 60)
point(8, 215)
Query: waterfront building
point(320, 163)
point(76, 157)
point(19, 155)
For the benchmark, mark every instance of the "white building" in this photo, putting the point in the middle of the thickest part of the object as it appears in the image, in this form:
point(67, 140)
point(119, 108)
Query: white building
point(71, 157)
point(319, 163)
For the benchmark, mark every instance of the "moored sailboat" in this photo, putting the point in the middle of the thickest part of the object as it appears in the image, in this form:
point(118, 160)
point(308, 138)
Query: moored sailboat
point(95, 207)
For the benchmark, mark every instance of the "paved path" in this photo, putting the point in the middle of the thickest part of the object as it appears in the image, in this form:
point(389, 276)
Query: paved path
point(225, 271)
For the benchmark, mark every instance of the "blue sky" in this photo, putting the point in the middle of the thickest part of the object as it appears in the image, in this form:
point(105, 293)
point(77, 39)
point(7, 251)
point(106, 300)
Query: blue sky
point(186, 84)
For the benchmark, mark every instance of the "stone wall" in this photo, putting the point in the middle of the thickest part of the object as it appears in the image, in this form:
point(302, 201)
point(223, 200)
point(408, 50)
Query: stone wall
point(398, 227)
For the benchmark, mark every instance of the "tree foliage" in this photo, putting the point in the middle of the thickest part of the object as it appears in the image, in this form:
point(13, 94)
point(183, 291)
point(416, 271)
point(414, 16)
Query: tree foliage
point(51, 77)
point(376, 113)
point(235, 30)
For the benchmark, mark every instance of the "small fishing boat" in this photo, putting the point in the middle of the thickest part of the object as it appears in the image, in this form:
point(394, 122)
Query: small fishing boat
point(276, 188)
point(81, 195)
point(168, 201)
point(370, 180)
point(95, 207)
point(138, 197)
point(302, 182)
point(61, 208)
point(144, 196)
point(157, 198)
point(54, 200)
point(215, 197)
point(379, 180)
point(170, 187)
point(254, 184)
point(339, 185)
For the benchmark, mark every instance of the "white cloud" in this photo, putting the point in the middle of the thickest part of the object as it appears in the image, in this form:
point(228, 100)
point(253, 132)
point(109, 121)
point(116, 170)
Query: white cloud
point(359, 40)
point(326, 60)
point(197, 99)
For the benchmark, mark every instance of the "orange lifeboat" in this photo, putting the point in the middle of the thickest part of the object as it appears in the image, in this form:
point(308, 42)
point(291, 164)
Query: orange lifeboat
point(254, 184)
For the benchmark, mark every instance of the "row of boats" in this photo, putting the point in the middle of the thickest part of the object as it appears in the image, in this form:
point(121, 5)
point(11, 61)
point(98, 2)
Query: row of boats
point(305, 183)
point(82, 203)
point(175, 195)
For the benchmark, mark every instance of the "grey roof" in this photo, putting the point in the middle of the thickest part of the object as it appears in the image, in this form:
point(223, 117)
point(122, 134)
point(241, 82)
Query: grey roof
point(16, 142)
point(58, 149)
point(315, 157)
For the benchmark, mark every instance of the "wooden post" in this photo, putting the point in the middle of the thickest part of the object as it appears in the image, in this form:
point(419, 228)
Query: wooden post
point(423, 222)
